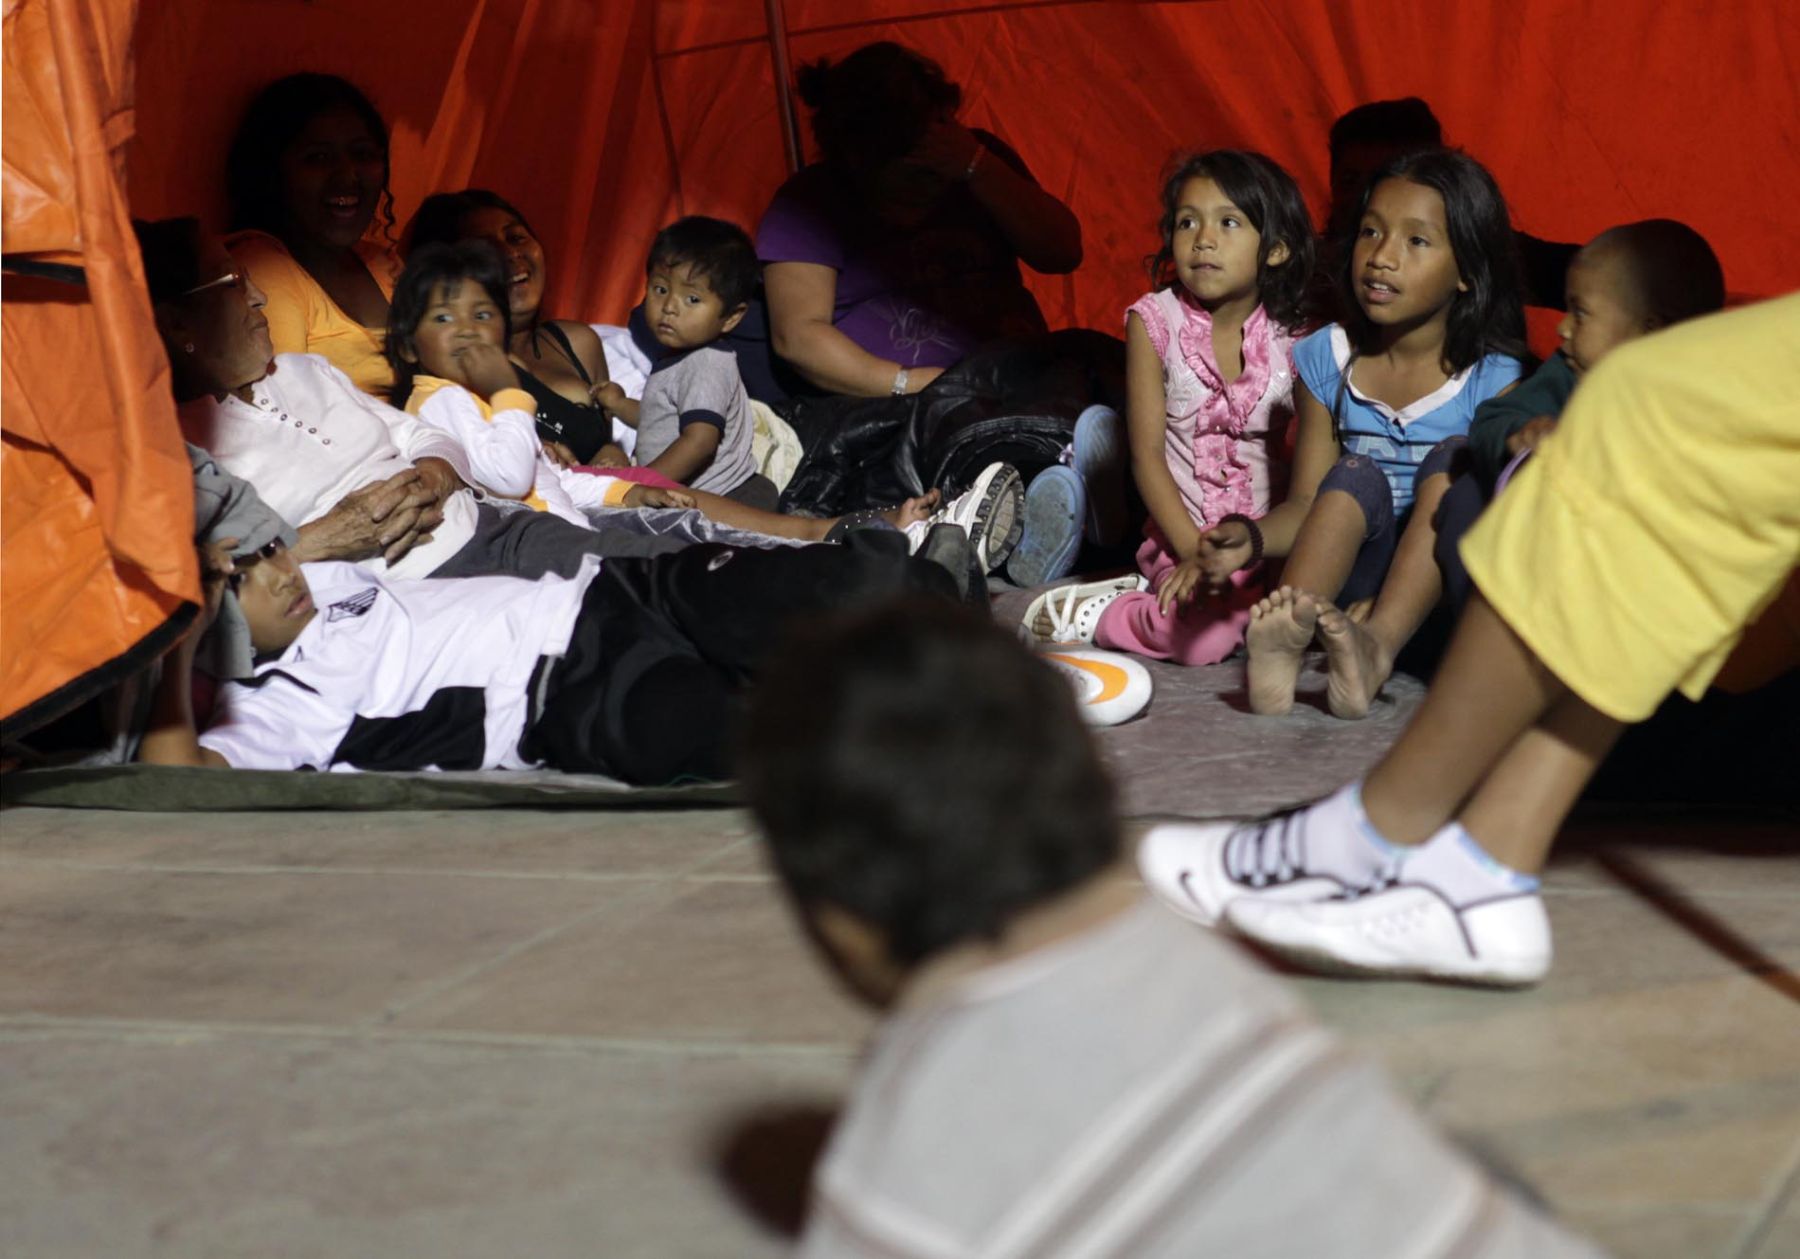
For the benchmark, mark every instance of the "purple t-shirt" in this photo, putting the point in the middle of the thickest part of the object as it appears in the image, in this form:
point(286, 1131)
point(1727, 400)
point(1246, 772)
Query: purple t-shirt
point(923, 295)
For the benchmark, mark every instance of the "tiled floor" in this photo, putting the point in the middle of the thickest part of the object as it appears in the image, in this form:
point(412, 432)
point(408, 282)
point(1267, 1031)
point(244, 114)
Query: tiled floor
point(582, 1034)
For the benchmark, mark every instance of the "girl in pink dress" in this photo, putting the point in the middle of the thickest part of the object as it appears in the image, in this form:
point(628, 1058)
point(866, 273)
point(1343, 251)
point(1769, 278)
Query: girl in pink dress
point(1209, 379)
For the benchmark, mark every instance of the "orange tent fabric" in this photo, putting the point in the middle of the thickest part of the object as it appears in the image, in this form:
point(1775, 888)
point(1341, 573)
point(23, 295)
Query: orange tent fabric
point(97, 567)
point(603, 119)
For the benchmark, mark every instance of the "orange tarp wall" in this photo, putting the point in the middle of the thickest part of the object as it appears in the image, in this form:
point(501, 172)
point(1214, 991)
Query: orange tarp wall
point(96, 553)
point(603, 119)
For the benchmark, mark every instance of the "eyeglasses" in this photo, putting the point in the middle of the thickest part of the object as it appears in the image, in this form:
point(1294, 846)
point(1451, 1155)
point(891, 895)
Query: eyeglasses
point(232, 279)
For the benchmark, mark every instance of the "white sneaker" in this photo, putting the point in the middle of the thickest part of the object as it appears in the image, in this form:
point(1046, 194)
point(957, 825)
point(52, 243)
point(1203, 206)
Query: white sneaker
point(991, 512)
point(1406, 931)
point(1068, 614)
point(1198, 868)
point(1109, 686)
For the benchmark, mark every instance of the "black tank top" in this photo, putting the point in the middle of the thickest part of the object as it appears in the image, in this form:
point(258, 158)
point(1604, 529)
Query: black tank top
point(582, 427)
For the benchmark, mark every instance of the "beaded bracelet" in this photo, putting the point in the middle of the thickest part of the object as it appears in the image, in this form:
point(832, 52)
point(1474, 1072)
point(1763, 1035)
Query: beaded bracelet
point(1256, 538)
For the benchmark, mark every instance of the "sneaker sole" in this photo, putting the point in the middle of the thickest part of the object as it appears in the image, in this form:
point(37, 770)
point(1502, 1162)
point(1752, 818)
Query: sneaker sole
point(998, 521)
point(1320, 962)
point(1051, 536)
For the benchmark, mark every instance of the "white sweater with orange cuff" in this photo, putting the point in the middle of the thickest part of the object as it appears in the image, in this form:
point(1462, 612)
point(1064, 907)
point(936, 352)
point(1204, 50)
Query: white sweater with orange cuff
point(505, 452)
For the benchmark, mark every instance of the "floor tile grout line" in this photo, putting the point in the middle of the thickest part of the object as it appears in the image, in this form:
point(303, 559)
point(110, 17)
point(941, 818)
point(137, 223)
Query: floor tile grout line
point(631, 906)
point(1785, 1188)
point(20, 1030)
point(693, 872)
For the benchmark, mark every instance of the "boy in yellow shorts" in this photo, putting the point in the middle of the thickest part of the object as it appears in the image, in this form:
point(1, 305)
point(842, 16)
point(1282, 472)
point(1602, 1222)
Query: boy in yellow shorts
point(1624, 561)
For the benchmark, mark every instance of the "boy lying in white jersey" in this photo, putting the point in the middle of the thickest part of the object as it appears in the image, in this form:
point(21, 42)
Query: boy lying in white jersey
point(631, 668)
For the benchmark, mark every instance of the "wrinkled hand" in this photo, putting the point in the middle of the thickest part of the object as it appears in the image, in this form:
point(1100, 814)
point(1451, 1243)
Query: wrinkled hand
point(1180, 584)
point(946, 149)
point(560, 455)
point(387, 518)
point(1527, 438)
point(611, 455)
point(1223, 550)
point(656, 496)
point(486, 369)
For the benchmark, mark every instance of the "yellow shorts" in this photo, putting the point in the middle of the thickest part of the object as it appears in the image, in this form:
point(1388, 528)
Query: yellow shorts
point(1663, 515)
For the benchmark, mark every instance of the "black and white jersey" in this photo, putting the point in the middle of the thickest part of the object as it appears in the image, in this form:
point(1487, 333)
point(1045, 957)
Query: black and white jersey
point(393, 674)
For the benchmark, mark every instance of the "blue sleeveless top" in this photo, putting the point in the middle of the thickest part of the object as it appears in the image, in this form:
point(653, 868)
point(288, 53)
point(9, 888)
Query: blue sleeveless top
point(1397, 440)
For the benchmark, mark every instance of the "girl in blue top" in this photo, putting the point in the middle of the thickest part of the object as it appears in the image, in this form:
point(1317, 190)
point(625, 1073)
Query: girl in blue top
point(1434, 325)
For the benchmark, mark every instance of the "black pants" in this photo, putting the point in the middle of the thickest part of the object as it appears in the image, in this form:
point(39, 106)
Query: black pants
point(525, 543)
point(664, 648)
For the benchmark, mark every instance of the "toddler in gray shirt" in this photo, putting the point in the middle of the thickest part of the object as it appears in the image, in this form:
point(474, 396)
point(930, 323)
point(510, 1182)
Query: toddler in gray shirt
point(694, 422)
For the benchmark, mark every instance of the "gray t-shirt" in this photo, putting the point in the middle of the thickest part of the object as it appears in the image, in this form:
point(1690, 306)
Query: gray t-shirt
point(699, 386)
point(1143, 1090)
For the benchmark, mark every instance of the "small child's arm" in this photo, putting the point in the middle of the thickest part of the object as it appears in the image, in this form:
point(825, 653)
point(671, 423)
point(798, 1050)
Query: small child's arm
point(1146, 410)
point(618, 404)
point(502, 453)
point(1499, 418)
point(691, 452)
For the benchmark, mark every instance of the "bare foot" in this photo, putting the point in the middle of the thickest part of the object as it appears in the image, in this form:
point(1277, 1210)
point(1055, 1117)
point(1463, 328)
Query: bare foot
point(1356, 661)
point(913, 509)
point(1281, 627)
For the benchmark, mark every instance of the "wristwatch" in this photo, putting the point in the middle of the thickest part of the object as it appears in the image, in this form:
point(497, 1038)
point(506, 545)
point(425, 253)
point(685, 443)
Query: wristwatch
point(899, 388)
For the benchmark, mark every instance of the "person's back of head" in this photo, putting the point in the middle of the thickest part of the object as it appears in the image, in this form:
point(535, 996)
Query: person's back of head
point(1368, 137)
point(714, 250)
point(1405, 123)
point(1672, 270)
point(875, 104)
point(920, 773)
point(170, 249)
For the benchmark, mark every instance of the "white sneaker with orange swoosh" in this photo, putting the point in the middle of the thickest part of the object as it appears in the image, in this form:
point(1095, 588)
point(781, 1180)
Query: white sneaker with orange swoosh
point(1109, 687)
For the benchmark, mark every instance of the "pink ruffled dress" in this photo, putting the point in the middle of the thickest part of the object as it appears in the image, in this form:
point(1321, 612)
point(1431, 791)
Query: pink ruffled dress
point(1225, 445)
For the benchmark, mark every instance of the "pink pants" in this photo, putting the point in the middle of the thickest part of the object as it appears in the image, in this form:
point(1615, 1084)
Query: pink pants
point(637, 476)
point(1205, 631)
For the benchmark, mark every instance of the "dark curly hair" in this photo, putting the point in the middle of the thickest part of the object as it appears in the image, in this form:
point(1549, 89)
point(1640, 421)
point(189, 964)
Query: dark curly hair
point(875, 104)
point(277, 115)
point(1271, 200)
point(473, 261)
point(918, 768)
point(1489, 316)
point(440, 217)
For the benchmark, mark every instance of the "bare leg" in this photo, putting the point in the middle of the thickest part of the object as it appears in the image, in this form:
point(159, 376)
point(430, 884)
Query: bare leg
point(1360, 656)
point(731, 512)
point(1515, 813)
point(1281, 626)
point(1326, 546)
point(1489, 691)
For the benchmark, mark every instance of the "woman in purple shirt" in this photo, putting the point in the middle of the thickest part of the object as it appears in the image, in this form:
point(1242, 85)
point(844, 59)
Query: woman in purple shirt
point(899, 252)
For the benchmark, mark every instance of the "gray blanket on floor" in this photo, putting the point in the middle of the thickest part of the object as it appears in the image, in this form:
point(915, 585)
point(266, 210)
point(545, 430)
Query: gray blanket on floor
point(1197, 752)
